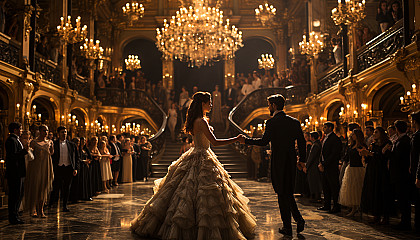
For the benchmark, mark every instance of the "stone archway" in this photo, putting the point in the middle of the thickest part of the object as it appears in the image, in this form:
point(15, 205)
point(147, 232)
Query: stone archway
point(44, 112)
point(246, 59)
point(79, 121)
point(385, 104)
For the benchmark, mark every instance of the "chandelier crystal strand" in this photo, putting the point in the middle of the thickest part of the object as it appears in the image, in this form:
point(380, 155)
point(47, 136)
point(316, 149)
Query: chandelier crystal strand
point(266, 62)
point(132, 63)
point(314, 46)
point(92, 50)
point(265, 13)
point(198, 35)
point(350, 12)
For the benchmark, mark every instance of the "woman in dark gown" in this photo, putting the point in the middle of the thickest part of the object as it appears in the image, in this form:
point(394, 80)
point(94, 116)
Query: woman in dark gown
point(84, 186)
point(95, 169)
point(376, 195)
point(301, 182)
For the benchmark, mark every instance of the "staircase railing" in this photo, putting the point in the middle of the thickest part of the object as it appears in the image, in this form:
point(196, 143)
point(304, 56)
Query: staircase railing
point(141, 100)
point(258, 99)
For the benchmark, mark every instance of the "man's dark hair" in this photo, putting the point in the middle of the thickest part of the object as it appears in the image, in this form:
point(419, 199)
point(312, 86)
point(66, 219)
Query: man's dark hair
point(277, 100)
point(416, 117)
point(119, 136)
point(112, 138)
point(368, 123)
point(60, 128)
point(330, 125)
point(315, 135)
point(13, 126)
point(371, 128)
point(401, 126)
point(353, 126)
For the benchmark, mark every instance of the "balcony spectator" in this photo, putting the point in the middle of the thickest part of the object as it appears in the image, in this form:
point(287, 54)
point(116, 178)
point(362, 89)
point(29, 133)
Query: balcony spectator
point(337, 50)
point(2, 15)
point(101, 82)
point(122, 82)
point(13, 27)
point(132, 83)
point(396, 12)
point(383, 16)
point(276, 81)
point(256, 80)
point(43, 48)
point(140, 81)
point(247, 88)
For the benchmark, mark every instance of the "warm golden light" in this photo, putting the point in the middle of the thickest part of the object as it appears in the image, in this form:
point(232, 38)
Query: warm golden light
point(265, 13)
point(352, 11)
point(266, 61)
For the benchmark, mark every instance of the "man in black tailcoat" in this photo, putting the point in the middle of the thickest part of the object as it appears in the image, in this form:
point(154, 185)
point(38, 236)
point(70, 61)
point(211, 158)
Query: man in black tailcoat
point(328, 166)
point(65, 166)
point(230, 97)
point(115, 151)
point(283, 131)
point(15, 170)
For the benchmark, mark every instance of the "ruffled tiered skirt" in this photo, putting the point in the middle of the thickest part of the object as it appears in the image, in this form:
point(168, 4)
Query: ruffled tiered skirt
point(196, 200)
point(351, 188)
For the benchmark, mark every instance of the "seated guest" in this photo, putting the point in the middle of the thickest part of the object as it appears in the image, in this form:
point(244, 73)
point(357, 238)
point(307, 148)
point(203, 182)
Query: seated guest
point(39, 174)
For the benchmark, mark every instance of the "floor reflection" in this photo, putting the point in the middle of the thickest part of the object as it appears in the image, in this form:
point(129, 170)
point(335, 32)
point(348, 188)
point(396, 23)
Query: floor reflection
point(109, 217)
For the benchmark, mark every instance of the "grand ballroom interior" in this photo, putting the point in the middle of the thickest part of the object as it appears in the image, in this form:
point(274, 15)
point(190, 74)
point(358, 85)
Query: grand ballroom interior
point(129, 68)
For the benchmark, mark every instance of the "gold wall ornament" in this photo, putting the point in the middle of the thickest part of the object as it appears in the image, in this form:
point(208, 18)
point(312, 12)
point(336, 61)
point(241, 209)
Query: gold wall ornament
point(198, 35)
point(352, 11)
point(27, 11)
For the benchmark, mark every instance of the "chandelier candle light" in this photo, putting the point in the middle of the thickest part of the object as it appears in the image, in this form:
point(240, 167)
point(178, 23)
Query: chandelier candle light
point(69, 34)
point(410, 100)
point(314, 46)
point(265, 13)
point(350, 12)
point(266, 62)
point(92, 50)
point(198, 35)
point(133, 11)
point(132, 63)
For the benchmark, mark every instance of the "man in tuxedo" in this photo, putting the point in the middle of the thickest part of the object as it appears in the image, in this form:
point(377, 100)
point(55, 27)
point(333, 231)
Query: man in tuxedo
point(65, 164)
point(283, 131)
point(115, 151)
point(15, 170)
point(399, 171)
point(330, 157)
point(120, 140)
point(414, 168)
point(230, 97)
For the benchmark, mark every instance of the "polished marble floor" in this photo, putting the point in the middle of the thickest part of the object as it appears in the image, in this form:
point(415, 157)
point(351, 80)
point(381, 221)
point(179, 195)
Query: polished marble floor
point(109, 216)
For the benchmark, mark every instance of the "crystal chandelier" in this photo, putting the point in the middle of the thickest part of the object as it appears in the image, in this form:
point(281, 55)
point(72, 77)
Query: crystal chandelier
point(132, 63)
point(265, 13)
point(314, 46)
point(91, 50)
point(411, 100)
point(198, 35)
point(133, 11)
point(69, 34)
point(350, 12)
point(266, 62)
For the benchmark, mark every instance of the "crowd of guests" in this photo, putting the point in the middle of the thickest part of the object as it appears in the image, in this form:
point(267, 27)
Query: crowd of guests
point(388, 14)
point(42, 170)
point(375, 171)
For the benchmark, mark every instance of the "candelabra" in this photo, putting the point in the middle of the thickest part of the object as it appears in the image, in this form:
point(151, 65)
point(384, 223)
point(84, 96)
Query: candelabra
point(313, 46)
point(410, 101)
point(133, 11)
point(198, 35)
point(135, 129)
point(348, 13)
point(265, 13)
point(132, 63)
point(71, 35)
point(91, 50)
point(266, 62)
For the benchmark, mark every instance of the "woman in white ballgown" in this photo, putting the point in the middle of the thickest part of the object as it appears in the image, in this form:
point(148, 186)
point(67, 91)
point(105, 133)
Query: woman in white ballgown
point(197, 199)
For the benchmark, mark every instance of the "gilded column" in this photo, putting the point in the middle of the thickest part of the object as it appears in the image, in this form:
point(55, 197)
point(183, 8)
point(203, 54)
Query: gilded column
point(229, 73)
point(168, 73)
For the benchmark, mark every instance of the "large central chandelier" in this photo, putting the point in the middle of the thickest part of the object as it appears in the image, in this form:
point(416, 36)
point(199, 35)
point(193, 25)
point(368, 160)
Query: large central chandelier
point(132, 63)
point(198, 35)
point(266, 61)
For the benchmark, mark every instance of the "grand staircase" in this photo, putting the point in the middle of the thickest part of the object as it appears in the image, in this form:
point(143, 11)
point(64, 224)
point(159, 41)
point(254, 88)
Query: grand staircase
point(233, 162)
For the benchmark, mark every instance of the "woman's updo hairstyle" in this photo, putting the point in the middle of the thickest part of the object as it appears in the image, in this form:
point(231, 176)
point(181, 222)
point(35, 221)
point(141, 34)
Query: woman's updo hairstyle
point(196, 109)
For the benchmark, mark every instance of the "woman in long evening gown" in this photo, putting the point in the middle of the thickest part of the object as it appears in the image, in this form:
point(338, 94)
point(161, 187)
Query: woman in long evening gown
point(197, 199)
point(127, 170)
point(216, 113)
point(40, 174)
